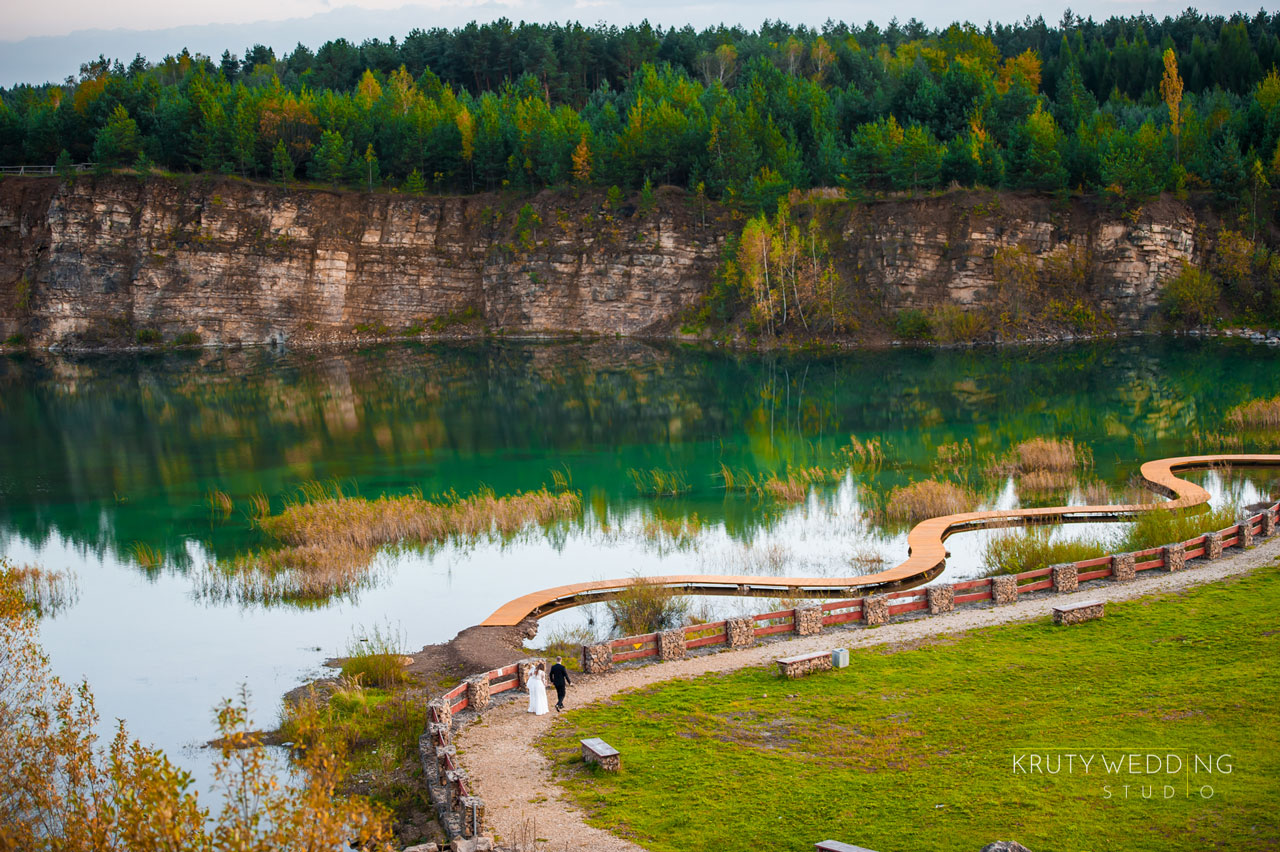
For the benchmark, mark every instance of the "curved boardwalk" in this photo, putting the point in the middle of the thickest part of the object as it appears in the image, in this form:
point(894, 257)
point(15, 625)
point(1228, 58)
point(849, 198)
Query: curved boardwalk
point(926, 548)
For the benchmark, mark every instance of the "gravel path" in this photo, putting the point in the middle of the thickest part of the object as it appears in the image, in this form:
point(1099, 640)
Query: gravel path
point(514, 779)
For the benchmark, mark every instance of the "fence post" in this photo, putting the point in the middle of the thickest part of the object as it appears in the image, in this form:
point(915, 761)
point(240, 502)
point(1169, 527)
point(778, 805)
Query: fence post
point(671, 644)
point(478, 693)
point(808, 620)
point(1213, 545)
point(875, 610)
point(1246, 534)
point(1066, 578)
point(942, 598)
point(1122, 567)
point(1004, 590)
point(597, 658)
point(740, 632)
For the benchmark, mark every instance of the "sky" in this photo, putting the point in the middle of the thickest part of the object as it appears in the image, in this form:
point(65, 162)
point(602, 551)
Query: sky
point(48, 41)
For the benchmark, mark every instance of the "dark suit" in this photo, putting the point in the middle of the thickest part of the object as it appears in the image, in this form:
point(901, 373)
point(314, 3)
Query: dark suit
point(559, 679)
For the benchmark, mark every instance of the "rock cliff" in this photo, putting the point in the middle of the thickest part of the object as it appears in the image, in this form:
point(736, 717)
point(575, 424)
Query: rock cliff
point(95, 263)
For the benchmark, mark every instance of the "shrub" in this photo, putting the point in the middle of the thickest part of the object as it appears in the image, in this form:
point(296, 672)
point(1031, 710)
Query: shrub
point(188, 338)
point(15, 339)
point(1191, 297)
point(953, 324)
point(147, 336)
point(1015, 552)
point(912, 324)
point(643, 608)
point(1257, 414)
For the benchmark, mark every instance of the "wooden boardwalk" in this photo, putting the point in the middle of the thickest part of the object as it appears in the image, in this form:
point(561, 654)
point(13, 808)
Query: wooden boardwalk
point(927, 550)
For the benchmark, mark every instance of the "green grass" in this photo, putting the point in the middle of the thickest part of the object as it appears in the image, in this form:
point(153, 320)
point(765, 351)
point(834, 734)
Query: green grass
point(910, 750)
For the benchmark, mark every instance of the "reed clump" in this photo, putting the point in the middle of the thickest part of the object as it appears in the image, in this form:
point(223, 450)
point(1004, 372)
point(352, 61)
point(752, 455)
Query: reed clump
point(1059, 455)
point(219, 502)
point(147, 557)
point(44, 592)
point(926, 499)
point(792, 486)
point(1013, 553)
point(865, 456)
point(643, 608)
point(376, 657)
point(330, 543)
point(657, 482)
point(1258, 414)
point(682, 531)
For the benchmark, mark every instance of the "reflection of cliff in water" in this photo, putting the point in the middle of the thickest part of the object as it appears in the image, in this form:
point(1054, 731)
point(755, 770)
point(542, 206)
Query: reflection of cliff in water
point(108, 450)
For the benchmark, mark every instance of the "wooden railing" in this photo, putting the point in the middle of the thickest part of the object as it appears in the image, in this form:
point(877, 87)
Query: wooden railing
point(38, 171)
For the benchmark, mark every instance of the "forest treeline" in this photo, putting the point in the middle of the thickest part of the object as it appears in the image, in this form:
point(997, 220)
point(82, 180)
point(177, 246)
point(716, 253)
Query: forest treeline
point(1130, 106)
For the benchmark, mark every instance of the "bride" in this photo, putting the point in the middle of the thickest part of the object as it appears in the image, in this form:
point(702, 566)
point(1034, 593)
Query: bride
point(538, 691)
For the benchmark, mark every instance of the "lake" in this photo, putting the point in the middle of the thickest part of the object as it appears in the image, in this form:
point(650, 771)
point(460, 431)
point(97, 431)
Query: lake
point(106, 455)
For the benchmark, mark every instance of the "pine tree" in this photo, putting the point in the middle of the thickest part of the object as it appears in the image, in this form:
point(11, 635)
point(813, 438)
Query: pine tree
point(414, 184)
point(371, 166)
point(67, 170)
point(281, 164)
point(647, 201)
point(331, 158)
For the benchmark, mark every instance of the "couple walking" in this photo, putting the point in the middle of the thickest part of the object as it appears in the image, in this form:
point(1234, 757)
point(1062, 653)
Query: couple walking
point(538, 686)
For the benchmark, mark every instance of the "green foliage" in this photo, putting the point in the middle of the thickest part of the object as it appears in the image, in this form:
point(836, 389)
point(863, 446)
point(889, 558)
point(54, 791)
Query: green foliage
point(414, 184)
point(16, 339)
point(376, 657)
point(912, 324)
point(647, 201)
point(23, 291)
point(953, 324)
point(332, 158)
point(188, 338)
point(65, 168)
point(1190, 297)
point(641, 608)
point(147, 336)
point(282, 167)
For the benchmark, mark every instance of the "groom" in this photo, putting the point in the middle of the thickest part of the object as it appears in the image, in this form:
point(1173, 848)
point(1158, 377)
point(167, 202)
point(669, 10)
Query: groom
point(560, 679)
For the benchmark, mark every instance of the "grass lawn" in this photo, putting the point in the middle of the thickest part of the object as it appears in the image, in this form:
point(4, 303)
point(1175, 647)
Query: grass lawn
point(913, 749)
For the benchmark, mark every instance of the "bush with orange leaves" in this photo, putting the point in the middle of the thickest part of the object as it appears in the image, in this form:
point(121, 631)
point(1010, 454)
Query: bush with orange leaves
point(60, 789)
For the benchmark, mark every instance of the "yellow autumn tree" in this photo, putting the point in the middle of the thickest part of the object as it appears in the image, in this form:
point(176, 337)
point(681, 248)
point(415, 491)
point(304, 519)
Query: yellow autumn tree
point(582, 161)
point(1171, 92)
point(60, 790)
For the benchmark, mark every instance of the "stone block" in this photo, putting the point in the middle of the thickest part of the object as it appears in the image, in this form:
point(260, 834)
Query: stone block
point(1066, 578)
point(875, 610)
point(808, 620)
point(1246, 535)
point(596, 750)
point(454, 779)
point(942, 598)
point(478, 692)
point(440, 733)
point(1076, 613)
point(1213, 545)
point(438, 709)
point(525, 669)
point(471, 809)
point(672, 645)
point(445, 756)
point(740, 632)
point(1175, 557)
point(803, 664)
point(1004, 590)
point(597, 658)
point(840, 658)
point(1268, 523)
point(1122, 567)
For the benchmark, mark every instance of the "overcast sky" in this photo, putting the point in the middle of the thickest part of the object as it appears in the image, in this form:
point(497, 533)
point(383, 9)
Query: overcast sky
point(48, 41)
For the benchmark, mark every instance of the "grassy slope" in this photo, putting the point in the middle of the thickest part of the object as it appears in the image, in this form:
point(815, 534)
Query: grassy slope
point(912, 749)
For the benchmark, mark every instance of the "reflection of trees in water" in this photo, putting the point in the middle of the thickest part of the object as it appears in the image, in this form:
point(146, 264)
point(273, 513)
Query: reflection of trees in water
point(117, 449)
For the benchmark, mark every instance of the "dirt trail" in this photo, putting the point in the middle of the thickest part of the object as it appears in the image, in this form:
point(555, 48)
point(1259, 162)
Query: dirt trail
point(514, 779)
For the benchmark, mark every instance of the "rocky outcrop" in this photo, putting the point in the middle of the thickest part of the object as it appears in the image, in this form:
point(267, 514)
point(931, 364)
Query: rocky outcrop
point(222, 261)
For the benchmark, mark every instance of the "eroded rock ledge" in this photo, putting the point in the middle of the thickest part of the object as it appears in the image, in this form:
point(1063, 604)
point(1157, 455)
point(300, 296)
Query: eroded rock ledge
point(228, 262)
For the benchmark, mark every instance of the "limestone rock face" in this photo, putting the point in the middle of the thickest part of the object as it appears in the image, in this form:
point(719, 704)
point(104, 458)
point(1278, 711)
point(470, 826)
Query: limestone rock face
point(89, 264)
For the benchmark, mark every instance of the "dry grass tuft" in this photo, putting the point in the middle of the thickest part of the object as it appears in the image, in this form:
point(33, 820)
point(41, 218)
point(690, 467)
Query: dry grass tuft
point(659, 483)
point(1261, 414)
point(1059, 455)
point(44, 592)
point(330, 543)
point(147, 557)
point(682, 531)
point(219, 502)
point(930, 498)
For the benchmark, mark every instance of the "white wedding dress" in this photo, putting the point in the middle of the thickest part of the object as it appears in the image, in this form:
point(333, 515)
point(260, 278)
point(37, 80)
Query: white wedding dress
point(538, 694)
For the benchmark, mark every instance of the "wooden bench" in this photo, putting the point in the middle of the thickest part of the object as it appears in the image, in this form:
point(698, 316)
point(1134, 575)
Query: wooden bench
point(1076, 613)
point(837, 846)
point(803, 664)
point(596, 750)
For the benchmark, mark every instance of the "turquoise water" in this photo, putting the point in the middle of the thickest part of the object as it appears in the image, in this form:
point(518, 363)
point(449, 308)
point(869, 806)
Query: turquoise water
point(105, 453)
